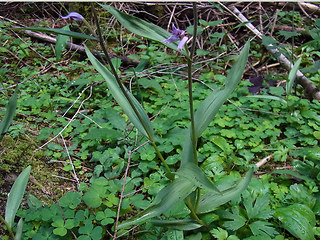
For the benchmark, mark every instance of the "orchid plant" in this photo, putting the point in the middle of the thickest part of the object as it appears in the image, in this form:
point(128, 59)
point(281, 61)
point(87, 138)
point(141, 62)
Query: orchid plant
point(189, 184)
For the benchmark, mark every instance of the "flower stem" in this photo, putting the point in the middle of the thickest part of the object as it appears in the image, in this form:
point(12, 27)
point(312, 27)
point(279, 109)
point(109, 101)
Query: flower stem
point(189, 61)
point(8, 227)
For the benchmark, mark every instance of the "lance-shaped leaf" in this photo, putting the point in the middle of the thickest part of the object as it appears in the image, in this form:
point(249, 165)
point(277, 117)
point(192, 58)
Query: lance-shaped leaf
point(142, 28)
point(171, 194)
point(211, 200)
point(211, 105)
point(61, 43)
point(57, 32)
point(18, 235)
point(180, 224)
point(292, 76)
point(11, 110)
point(280, 99)
point(196, 175)
point(145, 126)
point(15, 195)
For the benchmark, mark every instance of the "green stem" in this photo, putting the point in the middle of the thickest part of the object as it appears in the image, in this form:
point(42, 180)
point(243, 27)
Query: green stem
point(193, 212)
point(8, 227)
point(114, 72)
point(189, 61)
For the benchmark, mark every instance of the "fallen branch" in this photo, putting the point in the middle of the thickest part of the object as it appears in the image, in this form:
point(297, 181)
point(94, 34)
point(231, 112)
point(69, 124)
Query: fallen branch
point(311, 91)
point(44, 37)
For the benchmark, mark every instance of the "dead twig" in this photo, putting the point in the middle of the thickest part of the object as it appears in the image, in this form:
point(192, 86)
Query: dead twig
point(311, 91)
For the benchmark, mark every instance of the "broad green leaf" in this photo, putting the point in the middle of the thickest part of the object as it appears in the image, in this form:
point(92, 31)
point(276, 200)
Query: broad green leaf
point(10, 112)
point(180, 224)
point(292, 76)
point(211, 105)
point(236, 219)
point(61, 43)
point(18, 235)
point(196, 175)
point(269, 97)
point(171, 194)
point(142, 28)
point(297, 219)
point(16, 195)
point(211, 200)
point(57, 32)
point(121, 99)
point(257, 208)
point(262, 228)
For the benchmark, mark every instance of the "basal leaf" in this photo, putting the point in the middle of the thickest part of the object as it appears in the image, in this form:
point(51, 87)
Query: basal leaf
point(57, 32)
point(269, 97)
point(211, 105)
point(121, 99)
point(292, 76)
point(211, 200)
point(142, 28)
point(196, 175)
point(16, 195)
point(171, 194)
point(298, 219)
point(61, 43)
point(18, 235)
point(180, 224)
point(10, 112)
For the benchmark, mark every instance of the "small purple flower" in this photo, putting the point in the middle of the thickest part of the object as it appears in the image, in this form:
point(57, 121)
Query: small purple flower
point(74, 15)
point(177, 35)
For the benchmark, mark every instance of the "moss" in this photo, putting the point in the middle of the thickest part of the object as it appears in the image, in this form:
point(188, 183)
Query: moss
point(20, 152)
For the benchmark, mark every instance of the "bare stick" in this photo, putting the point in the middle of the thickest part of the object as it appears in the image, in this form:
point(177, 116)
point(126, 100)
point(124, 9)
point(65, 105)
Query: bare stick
point(121, 196)
point(264, 161)
point(310, 89)
point(73, 117)
point(73, 169)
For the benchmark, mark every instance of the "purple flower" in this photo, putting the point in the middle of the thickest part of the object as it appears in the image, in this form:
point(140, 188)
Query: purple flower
point(177, 35)
point(74, 15)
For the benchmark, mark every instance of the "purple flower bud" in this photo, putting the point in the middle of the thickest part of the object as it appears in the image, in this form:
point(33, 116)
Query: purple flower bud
point(177, 35)
point(74, 15)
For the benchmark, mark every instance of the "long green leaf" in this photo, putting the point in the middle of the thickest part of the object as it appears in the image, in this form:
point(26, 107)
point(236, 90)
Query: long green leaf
point(211, 200)
point(298, 219)
point(280, 99)
point(211, 105)
point(10, 112)
point(61, 43)
point(57, 32)
point(180, 224)
point(142, 28)
point(16, 195)
point(18, 235)
point(292, 76)
point(121, 99)
point(170, 195)
point(196, 175)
